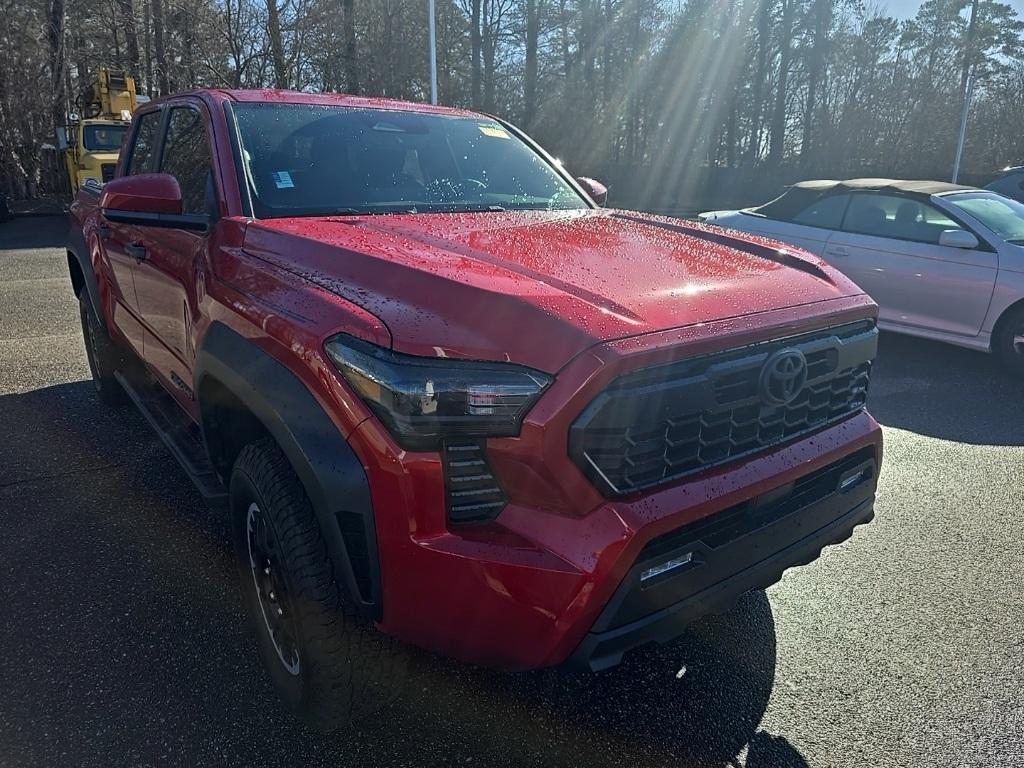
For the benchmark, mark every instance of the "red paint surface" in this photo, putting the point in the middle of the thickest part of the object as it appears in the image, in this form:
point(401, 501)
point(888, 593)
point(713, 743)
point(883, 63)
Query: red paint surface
point(586, 294)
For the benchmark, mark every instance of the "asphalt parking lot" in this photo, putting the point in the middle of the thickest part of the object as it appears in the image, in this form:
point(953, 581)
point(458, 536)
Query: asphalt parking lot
point(122, 640)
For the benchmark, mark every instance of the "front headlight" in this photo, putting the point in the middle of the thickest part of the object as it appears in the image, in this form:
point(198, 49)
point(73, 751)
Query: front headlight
point(422, 400)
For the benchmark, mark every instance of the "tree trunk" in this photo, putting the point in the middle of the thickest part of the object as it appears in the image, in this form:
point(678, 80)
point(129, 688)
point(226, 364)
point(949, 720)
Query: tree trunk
point(489, 48)
point(759, 78)
point(778, 140)
point(816, 72)
point(148, 43)
point(607, 43)
point(131, 35)
point(351, 63)
point(530, 73)
point(276, 45)
point(563, 18)
point(586, 36)
point(474, 37)
point(58, 63)
point(158, 46)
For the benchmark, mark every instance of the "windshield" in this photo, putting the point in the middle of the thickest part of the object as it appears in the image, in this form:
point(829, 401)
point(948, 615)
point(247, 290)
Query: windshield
point(316, 160)
point(1002, 215)
point(103, 138)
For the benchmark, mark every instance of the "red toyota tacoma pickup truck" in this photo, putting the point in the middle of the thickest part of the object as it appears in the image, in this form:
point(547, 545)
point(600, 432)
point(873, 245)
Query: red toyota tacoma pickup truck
point(449, 400)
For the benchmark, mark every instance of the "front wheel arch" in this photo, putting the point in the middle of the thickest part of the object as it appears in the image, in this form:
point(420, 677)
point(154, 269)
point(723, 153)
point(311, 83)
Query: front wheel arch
point(265, 396)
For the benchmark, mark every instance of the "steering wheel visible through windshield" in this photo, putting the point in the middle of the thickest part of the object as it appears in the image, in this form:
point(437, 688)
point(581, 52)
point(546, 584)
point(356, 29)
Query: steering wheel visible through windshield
point(319, 160)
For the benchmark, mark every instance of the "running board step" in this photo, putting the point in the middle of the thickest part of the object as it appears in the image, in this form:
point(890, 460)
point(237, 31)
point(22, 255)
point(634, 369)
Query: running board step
point(179, 433)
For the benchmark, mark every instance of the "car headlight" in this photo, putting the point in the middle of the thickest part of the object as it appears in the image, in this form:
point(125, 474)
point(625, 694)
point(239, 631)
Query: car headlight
point(423, 400)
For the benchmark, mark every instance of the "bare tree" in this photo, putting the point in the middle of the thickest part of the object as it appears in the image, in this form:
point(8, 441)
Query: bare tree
point(276, 44)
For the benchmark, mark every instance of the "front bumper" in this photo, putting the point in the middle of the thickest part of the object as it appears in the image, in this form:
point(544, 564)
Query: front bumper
point(737, 550)
point(533, 588)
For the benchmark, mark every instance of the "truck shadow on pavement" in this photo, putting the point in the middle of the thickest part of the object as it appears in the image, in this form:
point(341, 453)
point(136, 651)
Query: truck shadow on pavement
point(37, 231)
point(129, 613)
point(947, 392)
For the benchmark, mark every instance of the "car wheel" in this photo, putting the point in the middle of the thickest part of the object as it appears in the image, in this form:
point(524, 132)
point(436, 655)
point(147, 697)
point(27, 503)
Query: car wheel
point(103, 355)
point(1009, 342)
point(328, 662)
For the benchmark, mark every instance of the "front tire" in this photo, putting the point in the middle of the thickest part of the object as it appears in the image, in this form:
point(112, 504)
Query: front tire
point(328, 662)
point(1009, 342)
point(103, 355)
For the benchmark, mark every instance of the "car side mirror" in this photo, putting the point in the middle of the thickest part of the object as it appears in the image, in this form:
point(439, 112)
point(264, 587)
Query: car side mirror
point(958, 238)
point(598, 192)
point(149, 200)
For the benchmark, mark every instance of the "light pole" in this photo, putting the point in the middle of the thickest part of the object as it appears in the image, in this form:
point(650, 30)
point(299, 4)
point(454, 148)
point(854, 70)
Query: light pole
point(433, 53)
point(966, 87)
point(963, 129)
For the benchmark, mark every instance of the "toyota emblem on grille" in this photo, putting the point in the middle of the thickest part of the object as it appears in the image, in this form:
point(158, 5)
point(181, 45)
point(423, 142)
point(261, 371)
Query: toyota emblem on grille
point(783, 375)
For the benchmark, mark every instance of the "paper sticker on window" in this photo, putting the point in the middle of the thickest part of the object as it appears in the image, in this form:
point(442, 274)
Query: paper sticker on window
point(282, 179)
point(494, 131)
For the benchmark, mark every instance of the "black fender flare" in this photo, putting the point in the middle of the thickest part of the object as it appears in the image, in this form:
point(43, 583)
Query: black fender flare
point(333, 476)
point(78, 249)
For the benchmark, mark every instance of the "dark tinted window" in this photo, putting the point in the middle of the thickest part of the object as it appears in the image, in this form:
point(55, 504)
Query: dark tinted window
point(186, 156)
point(900, 218)
point(315, 160)
point(103, 138)
point(144, 147)
point(826, 213)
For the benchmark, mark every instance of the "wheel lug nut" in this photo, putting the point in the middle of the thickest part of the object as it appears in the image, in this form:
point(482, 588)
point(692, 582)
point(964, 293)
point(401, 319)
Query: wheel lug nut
point(280, 612)
point(267, 570)
point(272, 596)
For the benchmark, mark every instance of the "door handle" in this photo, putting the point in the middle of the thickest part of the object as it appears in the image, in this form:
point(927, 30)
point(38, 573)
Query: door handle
point(136, 251)
point(837, 250)
point(103, 231)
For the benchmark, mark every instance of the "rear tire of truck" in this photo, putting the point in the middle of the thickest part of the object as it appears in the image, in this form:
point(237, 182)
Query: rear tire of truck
point(103, 355)
point(328, 662)
point(1009, 342)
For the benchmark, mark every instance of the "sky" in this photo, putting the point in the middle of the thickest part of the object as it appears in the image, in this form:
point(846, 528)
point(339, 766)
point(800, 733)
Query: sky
point(904, 9)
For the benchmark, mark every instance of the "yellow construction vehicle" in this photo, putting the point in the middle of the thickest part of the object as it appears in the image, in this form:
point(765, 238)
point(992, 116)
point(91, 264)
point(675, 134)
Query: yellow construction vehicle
point(93, 136)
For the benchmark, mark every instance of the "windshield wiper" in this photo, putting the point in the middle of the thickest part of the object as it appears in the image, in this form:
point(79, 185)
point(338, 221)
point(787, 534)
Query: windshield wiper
point(481, 209)
point(370, 212)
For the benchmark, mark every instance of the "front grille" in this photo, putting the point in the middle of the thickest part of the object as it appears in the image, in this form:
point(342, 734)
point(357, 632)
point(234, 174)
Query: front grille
point(660, 424)
point(107, 171)
point(472, 492)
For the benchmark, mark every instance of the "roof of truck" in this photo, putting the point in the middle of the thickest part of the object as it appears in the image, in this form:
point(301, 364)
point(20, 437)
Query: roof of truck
point(274, 96)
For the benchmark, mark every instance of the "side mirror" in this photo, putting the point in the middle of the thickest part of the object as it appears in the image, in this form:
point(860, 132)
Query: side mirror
point(598, 192)
point(958, 238)
point(149, 200)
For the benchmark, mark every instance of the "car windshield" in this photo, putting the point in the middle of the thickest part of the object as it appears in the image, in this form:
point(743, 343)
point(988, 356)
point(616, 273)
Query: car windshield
point(103, 138)
point(1002, 215)
point(317, 160)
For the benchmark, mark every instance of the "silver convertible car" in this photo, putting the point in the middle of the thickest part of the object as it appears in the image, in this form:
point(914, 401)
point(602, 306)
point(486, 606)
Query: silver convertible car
point(943, 261)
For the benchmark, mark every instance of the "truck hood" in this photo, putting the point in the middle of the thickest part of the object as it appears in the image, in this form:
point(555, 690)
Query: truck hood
point(538, 287)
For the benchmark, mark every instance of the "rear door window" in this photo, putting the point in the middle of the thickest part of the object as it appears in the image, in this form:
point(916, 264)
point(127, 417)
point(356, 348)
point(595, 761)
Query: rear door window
point(144, 145)
point(186, 156)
